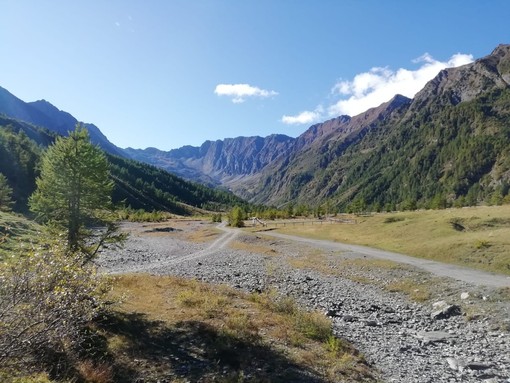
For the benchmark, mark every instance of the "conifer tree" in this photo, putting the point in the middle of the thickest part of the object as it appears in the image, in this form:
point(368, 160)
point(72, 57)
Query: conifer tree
point(73, 189)
point(5, 194)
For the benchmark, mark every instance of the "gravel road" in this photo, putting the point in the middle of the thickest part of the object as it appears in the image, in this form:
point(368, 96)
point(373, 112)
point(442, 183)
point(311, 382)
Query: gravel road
point(476, 277)
point(460, 334)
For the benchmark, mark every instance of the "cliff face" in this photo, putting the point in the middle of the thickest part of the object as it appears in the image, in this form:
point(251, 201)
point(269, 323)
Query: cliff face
point(217, 162)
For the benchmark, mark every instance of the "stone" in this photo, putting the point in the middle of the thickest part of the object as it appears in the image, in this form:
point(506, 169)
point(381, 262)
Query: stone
point(446, 312)
point(478, 366)
point(464, 296)
point(455, 364)
point(434, 336)
point(439, 304)
point(332, 313)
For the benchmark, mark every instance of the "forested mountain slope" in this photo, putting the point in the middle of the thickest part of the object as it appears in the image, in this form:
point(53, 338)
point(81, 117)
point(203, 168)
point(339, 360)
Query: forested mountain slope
point(138, 185)
point(449, 145)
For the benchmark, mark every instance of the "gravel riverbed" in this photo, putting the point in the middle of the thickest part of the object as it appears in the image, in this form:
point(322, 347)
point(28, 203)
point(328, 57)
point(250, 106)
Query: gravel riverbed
point(460, 334)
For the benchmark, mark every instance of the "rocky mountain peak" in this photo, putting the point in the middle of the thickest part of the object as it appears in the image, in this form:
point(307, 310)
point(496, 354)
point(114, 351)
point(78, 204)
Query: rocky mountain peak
point(455, 85)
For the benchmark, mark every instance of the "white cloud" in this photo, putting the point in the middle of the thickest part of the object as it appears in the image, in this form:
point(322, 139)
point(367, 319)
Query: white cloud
point(239, 92)
point(378, 85)
point(306, 117)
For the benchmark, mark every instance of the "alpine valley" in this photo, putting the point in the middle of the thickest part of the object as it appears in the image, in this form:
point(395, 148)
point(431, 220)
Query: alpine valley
point(449, 145)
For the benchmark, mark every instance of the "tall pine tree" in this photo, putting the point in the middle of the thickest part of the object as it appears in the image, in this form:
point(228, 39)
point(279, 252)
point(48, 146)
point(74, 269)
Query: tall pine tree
point(73, 188)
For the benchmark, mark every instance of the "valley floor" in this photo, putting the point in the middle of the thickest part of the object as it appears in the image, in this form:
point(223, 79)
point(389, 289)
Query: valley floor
point(411, 325)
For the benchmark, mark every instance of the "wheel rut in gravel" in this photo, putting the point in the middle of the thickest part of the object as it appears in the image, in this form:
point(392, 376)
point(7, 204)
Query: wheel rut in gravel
point(172, 257)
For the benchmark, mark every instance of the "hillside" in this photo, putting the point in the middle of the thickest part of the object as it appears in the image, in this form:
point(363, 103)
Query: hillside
point(137, 185)
point(43, 114)
point(449, 145)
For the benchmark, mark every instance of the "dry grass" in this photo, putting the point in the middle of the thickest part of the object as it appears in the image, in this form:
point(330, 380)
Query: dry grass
point(202, 235)
point(6, 377)
point(477, 237)
point(192, 230)
point(252, 248)
point(417, 291)
point(95, 373)
point(363, 271)
point(169, 325)
point(313, 260)
point(255, 244)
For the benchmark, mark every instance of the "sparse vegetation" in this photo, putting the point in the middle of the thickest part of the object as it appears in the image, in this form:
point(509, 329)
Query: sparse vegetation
point(46, 299)
point(141, 215)
point(235, 335)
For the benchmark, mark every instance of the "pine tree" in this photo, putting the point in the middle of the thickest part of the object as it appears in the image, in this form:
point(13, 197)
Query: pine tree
point(236, 217)
point(73, 188)
point(5, 194)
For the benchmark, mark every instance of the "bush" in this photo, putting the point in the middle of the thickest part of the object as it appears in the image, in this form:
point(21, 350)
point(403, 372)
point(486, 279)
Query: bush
point(482, 244)
point(393, 219)
point(217, 217)
point(46, 298)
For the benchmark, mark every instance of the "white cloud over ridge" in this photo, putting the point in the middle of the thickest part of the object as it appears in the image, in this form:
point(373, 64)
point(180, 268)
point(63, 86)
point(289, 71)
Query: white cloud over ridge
point(239, 92)
point(370, 89)
point(306, 117)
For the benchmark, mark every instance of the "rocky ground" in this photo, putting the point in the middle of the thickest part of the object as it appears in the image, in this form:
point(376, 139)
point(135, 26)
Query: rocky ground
point(457, 333)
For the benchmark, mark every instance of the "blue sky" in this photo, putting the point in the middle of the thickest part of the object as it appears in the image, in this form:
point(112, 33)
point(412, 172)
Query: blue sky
point(170, 73)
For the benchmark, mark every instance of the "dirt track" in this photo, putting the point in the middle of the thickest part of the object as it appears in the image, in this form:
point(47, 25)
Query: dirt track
point(476, 277)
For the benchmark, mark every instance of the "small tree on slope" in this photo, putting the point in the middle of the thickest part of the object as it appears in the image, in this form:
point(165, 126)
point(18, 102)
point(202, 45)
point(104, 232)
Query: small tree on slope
point(74, 189)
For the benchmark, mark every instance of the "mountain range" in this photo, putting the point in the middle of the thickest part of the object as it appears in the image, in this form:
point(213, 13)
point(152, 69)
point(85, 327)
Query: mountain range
point(450, 144)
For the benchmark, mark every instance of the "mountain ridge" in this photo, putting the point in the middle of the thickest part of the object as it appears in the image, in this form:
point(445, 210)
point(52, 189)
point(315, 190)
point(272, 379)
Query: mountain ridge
point(440, 134)
point(44, 114)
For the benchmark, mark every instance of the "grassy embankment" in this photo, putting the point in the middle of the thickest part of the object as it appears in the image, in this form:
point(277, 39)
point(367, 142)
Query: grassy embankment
point(477, 237)
point(182, 330)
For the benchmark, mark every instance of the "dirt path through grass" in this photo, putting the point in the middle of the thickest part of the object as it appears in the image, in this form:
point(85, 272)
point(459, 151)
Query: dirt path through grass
point(476, 277)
